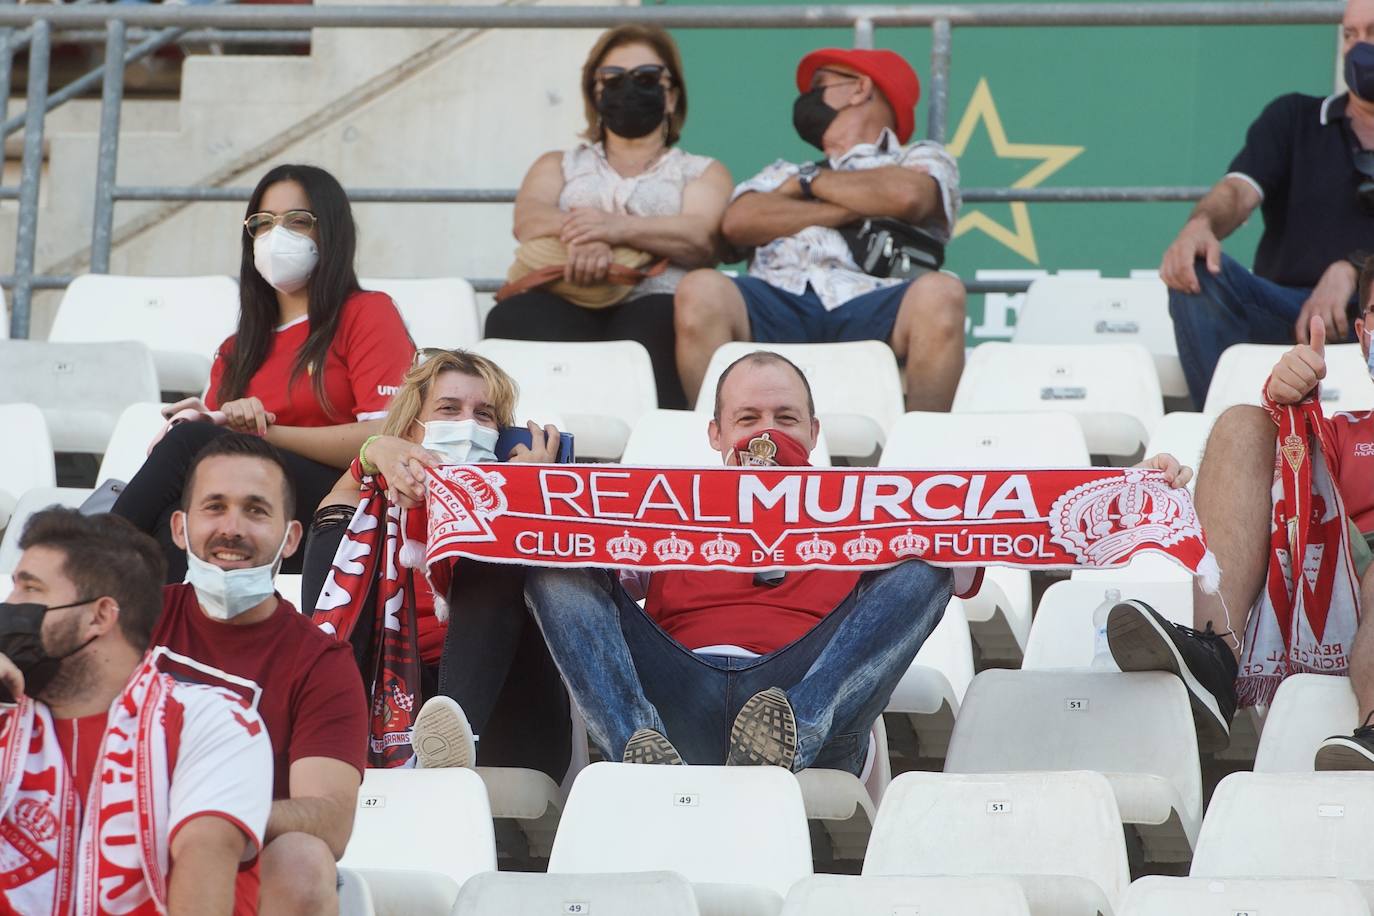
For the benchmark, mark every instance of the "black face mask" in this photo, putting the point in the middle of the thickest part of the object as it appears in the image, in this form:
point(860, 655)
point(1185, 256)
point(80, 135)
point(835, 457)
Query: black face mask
point(811, 116)
point(21, 641)
point(630, 110)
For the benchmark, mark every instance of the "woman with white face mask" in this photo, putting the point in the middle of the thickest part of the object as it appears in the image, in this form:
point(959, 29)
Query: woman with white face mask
point(450, 409)
point(311, 367)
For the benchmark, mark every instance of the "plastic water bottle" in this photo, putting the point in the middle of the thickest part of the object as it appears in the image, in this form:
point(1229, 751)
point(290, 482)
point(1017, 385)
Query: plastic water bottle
point(1102, 653)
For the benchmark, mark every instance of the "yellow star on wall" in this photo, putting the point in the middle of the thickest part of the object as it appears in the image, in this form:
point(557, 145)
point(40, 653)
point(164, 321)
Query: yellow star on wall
point(1052, 158)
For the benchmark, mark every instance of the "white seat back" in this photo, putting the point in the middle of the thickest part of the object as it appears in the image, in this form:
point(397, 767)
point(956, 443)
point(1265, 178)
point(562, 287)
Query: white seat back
point(34, 500)
point(1183, 435)
point(1307, 709)
point(856, 385)
point(985, 440)
point(1159, 896)
point(1288, 825)
point(183, 320)
point(731, 825)
point(1063, 825)
point(1097, 310)
point(439, 312)
point(663, 893)
point(133, 432)
point(1113, 391)
point(827, 895)
point(677, 438)
point(1243, 369)
point(423, 820)
point(600, 388)
point(26, 460)
point(1062, 635)
point(81, 387)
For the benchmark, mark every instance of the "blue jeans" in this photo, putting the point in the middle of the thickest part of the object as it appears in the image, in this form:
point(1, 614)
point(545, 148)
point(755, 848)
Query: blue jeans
point(1235, 306)
point(626, 673)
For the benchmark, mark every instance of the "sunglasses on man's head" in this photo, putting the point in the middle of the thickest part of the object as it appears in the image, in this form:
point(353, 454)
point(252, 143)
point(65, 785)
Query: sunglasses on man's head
point(259, 224)
point(644, 75)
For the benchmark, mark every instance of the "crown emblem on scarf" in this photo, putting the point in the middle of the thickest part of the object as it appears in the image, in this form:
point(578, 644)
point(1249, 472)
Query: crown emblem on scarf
point(719, 550)
point(484, 488)
point(35, 819)
point(673, 549)
point(815, 550)
point(863, 547)
point(626, 548)
point(1101, 522)
point(909, 545)
point(762, 452)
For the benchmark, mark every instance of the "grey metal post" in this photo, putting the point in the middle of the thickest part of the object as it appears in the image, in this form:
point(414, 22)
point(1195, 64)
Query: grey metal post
point(938, 112)
point(31, 172)
point(863, 33)
point(107, 155)
point(6, 66)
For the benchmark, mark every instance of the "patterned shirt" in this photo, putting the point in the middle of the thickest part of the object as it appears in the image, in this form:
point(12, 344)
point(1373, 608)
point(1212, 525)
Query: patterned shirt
point(819, 255)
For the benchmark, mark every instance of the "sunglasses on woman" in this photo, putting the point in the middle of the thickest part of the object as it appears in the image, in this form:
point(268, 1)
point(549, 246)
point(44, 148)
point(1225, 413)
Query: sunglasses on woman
point(258, 224)
point(644, 76)
point(424, 354)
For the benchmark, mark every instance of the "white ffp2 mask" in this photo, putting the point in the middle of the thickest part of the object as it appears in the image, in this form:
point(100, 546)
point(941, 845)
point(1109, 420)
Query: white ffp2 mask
point(285, 259)
point(226, 593)
point(461, 441)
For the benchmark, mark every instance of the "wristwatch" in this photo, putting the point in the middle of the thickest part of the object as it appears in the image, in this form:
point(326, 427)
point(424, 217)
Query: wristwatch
point(805, 175)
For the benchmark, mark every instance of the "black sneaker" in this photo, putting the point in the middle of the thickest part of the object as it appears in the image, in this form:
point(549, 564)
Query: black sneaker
point(1348, 752)
point(764, 732)
point(1142, 640)
point(648, 746)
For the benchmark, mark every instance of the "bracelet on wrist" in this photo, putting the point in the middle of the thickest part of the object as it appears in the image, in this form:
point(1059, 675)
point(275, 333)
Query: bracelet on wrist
point(368, 467)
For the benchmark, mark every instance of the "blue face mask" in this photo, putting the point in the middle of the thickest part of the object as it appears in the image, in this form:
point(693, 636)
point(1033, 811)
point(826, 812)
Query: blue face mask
point(1359, 70)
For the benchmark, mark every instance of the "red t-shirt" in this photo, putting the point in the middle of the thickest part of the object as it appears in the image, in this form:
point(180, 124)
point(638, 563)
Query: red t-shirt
point(700, 609)
point(371, 354)
point(80, 742)
point(1353, 464)
point(312, 695)
point(429, 629)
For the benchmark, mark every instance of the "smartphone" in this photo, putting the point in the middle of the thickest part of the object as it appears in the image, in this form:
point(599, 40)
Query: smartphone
point(512, 436)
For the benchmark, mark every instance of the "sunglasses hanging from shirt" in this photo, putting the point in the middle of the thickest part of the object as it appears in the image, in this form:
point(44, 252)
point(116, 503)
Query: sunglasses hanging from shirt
point(885, 247)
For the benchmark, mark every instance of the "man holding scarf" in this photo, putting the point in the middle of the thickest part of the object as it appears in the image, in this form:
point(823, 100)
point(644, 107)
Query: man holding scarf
point(236, 523)
point(130, 782)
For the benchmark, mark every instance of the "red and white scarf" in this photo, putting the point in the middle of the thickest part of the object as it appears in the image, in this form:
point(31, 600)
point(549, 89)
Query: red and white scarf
point(1305, 617)
point(384, 546)
point(113, 858)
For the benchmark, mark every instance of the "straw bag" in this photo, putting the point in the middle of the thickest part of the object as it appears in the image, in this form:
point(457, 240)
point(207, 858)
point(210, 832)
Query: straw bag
point(539, 263)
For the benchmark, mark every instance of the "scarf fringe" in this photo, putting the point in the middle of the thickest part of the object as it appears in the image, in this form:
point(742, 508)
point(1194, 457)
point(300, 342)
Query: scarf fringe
point(1257, 690)
point(1209, 573)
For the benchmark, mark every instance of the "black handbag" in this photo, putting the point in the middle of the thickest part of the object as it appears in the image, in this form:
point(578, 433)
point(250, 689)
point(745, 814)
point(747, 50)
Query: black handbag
point(886, 247)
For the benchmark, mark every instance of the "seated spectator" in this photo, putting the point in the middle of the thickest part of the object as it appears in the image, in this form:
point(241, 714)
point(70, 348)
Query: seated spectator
point(1308, 164)
point(486, 667)
point(74, 637)
point(627, 186)
point(312, 365)
point(803, 224)
point(1236, 507)
point(236, 523)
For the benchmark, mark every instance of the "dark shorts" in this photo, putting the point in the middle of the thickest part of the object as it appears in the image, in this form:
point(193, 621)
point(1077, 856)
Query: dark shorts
point(777, 316)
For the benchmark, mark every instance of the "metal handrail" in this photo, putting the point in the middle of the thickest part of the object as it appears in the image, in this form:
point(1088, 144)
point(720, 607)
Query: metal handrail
point(118, 21)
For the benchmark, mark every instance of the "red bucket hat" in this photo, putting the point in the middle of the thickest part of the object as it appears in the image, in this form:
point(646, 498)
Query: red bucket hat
point(889, 71)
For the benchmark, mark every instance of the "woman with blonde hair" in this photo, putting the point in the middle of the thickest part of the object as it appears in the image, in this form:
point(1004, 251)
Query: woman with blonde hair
point(627, 186)
point(484, 669)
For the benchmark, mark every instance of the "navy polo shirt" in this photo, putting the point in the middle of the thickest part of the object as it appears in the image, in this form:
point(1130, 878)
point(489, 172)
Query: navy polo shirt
point(1298, 154)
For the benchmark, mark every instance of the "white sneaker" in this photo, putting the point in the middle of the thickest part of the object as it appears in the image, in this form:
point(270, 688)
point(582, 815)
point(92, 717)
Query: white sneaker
point(442, 735)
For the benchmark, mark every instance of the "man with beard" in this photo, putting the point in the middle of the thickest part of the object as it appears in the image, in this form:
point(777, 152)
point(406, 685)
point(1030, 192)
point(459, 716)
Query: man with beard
point(123, 788)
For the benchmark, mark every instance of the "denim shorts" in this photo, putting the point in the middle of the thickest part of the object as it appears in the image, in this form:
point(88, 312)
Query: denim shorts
point(777, 316)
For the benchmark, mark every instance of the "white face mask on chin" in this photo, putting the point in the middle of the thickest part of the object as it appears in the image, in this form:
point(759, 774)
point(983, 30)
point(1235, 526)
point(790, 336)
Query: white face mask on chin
point(226, 593)
point(461, 441)
point(285, 259)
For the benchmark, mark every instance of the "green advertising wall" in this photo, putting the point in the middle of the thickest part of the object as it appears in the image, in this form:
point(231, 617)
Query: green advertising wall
point(1042, 107)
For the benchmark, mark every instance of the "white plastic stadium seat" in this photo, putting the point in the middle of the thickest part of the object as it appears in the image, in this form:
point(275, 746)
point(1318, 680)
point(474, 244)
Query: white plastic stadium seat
point(289, 587)
point(1243, 368)
point(662, 893)
point(82, 388)
point(1097, 310)
point(1159, 896)
point(600, 388)
point(1289, 825)
point(677, 438)
point(926, 700)
point(183, 320)
point(1063, 635)
point(128, 446)
point(738, 834)
point(1136, 729)
point(1183, 435)
point(828, 895)
point(843, 806)
point(34, 500)
point(530, 800)
point(418, 835)
point(1307, 709)
point(438, 312)
point(1113, 391)
point(856, 385)
point(1058, 834)
point(26, 460)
